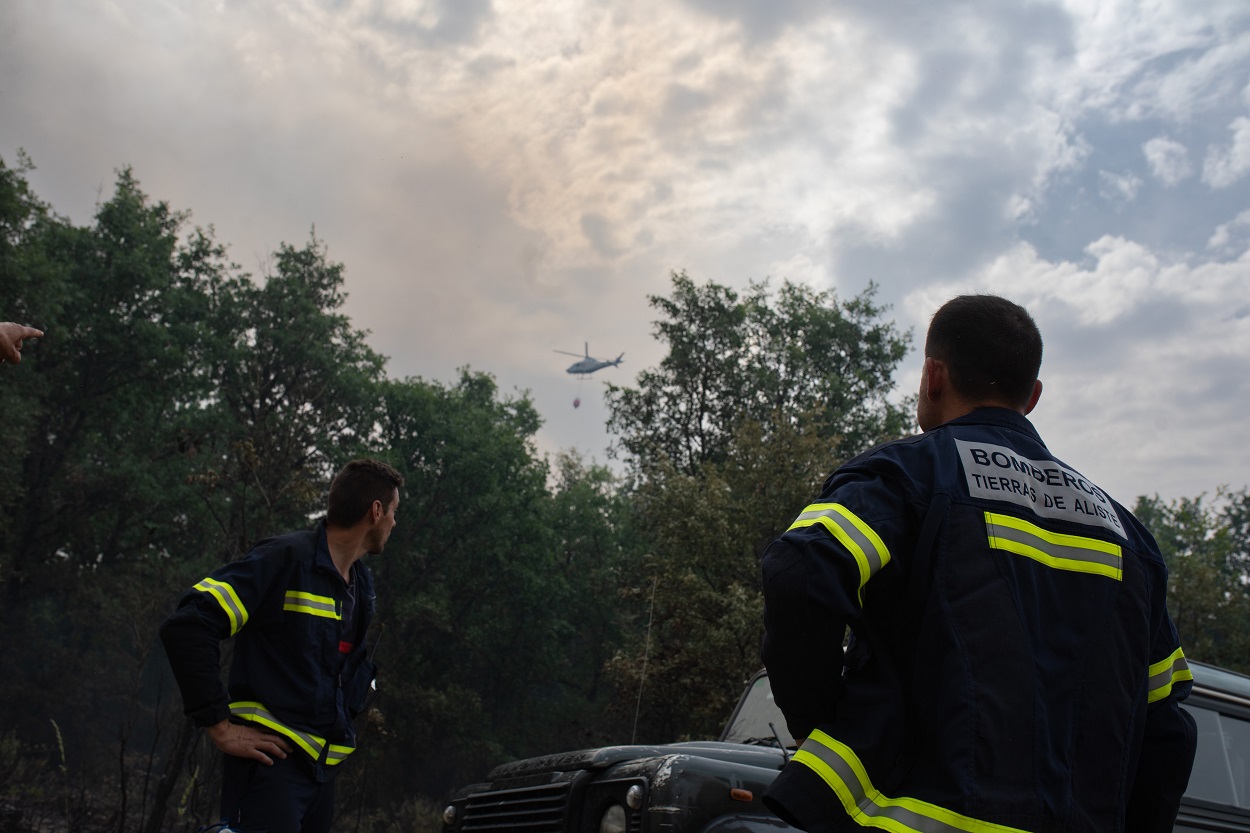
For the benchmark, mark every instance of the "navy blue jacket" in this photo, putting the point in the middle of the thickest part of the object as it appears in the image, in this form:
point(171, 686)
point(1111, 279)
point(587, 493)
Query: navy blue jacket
point(295, 670)
point(1012, 665)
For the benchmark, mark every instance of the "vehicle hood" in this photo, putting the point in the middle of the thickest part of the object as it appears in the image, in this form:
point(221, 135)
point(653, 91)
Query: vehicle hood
point(606, 756)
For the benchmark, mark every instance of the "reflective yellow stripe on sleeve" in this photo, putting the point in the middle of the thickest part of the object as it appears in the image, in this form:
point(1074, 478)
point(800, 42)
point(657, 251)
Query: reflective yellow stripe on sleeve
point(1074, 553)
point(229, 601)
point(254, 712)
point(298, 601)
point(1166, 673)
point(859, 539)
point(337, 754)
point(843, 772)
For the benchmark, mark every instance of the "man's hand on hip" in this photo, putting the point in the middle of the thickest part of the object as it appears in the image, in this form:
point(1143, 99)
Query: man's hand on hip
point(244, 741)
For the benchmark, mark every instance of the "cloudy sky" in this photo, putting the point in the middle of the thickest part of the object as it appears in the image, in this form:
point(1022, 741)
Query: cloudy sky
point(504, 178)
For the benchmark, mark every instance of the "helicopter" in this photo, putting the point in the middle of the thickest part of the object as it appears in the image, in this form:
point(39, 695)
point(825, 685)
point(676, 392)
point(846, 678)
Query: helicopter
point(588, 363)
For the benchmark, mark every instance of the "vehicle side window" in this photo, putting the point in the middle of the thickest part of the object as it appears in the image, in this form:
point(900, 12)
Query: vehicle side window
point(1221, 770)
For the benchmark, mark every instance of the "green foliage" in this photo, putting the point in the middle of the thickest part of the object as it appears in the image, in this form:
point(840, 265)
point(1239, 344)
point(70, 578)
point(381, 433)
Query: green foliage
point(1205, 548)
point(490, 634)
point(292, 395)
point(469, 526)
point(756, 401)
point(112, 303)
point(101, 497)
point(804, 360)
point(1235, 517)
point(176, 412)
point(597, 551)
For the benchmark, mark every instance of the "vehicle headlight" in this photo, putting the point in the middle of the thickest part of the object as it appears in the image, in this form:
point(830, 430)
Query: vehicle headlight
point(613, 820)
point(633, 797)
point(449, 815)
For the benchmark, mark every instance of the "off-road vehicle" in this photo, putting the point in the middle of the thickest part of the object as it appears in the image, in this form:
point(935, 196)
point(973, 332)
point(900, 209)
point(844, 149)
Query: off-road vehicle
point(715, 786)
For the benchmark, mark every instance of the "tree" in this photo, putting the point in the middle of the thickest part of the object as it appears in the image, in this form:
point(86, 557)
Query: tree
point(102, 495)
point(499, 594)
point(1205, 552)
point(1235, 516)
point(175, 413)
point(805, 360)
point(756, 401)
point(294, 392)
point(596, 549)
point(118, 313)
point(25, 223)
point(465, 624)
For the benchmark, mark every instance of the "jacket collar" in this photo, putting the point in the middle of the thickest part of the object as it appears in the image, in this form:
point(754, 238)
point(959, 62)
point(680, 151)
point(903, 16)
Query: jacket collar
point(322, 556)
point(999, 418)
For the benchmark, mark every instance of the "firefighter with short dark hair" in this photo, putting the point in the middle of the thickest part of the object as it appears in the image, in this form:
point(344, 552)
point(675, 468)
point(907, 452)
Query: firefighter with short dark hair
point(1012, 665)
point(298, 606)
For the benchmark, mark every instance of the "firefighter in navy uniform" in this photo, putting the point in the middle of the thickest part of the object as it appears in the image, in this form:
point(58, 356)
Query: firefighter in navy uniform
point(1011, 665)
point(298, 606)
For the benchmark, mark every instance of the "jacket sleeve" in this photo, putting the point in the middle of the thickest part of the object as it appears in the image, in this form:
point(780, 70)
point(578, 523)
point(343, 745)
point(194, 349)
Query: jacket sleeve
point(216, 608)
point(813, 581)
point(1167, 752)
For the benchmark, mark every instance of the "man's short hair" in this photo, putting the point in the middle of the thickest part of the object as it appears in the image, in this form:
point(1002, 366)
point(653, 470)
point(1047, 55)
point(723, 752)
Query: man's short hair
point(354, 489)
point(991, 346)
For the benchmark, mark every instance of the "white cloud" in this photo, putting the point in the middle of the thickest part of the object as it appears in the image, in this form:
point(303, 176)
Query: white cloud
point(422, 12)
point(1120, 277)
point(1232, 237)
point(1179, 89)
point(1118, 188)
point(1224, 166)
point(1168, 159)
point(1167, 59)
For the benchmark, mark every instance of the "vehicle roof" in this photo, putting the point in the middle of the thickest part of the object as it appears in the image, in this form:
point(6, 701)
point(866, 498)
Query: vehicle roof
point(1206, 676)
point(1211, 677)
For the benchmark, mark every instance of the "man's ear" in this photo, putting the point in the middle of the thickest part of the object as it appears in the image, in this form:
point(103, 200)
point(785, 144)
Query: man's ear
point(1037, 394)
point(934, 377)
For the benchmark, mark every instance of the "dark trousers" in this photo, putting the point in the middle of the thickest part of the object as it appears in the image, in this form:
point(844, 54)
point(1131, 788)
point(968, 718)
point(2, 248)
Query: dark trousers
point(283, 798)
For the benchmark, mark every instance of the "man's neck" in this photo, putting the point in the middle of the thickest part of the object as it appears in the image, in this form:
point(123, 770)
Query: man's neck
point(346, 548)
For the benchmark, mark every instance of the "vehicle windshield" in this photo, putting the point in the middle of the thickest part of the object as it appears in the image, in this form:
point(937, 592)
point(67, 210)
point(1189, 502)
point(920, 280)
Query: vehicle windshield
point(757, 710)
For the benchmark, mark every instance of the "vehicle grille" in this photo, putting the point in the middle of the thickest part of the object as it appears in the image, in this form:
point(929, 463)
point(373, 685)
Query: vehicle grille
point(538, 809)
